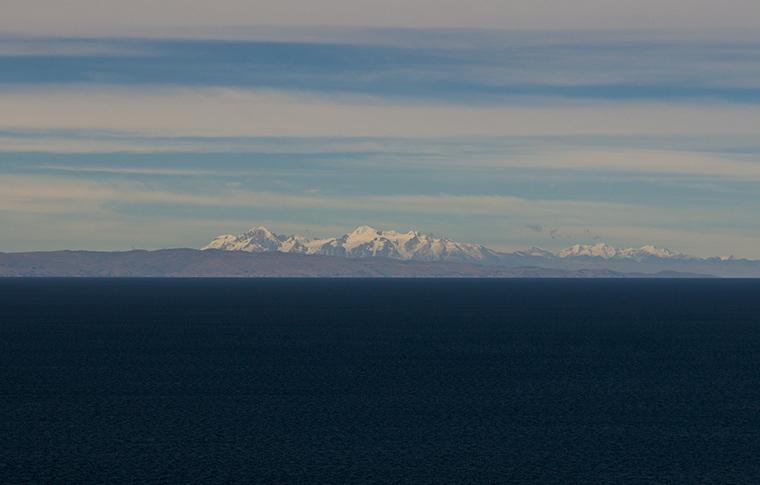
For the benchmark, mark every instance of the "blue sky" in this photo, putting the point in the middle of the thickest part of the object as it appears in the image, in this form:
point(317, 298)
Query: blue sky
point(156, 131)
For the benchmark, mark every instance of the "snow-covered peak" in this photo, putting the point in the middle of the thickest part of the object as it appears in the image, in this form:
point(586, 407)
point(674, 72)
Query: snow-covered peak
point(364, 241)
point(364, 231)
point(261, 231)
point(650, 250)
point(599, 250)
point(221, 242)
point(536, 252)
point(255, 240)
point(605, 251)
point(361, 235)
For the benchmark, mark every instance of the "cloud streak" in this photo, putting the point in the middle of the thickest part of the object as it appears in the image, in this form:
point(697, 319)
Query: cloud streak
point(521, 122)
point(267, 113)
point(109, 17)
point(471, 67)
point(23, 192)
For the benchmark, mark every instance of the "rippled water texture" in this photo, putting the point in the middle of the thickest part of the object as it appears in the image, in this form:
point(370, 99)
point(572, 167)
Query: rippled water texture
point(351, 381)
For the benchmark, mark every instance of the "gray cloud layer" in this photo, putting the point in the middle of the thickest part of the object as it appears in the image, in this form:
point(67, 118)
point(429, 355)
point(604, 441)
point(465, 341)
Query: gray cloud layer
point(137, 17)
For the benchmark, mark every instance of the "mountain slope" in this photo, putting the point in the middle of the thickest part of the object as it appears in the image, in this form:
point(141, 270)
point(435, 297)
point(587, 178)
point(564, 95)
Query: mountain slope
point(366, 242)
point(362, 242)
point(605, 251)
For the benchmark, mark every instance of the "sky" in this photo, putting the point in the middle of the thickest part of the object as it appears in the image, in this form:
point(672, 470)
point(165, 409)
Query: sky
point(508, 123)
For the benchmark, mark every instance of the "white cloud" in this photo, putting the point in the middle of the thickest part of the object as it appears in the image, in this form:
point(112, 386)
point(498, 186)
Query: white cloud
point(237, 112)
point(46, 193)
point(640, 161)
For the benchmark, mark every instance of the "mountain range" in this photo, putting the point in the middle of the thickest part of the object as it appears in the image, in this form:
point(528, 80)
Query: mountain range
point(362, 242)
point(368, 242)
point(369, 252)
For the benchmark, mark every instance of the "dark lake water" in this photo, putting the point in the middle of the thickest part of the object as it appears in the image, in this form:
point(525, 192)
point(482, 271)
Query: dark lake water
point(355, 381)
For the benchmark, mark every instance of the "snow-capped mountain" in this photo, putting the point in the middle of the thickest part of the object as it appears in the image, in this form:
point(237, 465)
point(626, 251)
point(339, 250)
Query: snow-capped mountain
point(364, 241)
point(535, 252)
point(605, 251)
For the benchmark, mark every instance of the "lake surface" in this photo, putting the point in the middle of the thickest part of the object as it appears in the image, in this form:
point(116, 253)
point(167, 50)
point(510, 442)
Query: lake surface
point(362, 381)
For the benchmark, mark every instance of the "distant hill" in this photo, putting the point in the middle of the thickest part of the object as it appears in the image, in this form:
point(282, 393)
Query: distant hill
point(219, 263)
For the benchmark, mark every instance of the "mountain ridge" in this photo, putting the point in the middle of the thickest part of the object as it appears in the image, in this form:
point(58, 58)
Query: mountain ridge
point(362, 242)
point(368, 252)
point(366, 241)
point(194, 263)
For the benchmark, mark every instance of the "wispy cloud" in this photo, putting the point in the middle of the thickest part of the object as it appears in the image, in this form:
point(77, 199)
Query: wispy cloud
point(235, 112)
point(134, 170)
point(639, 161)
point(519, 136)
point(468, 66)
